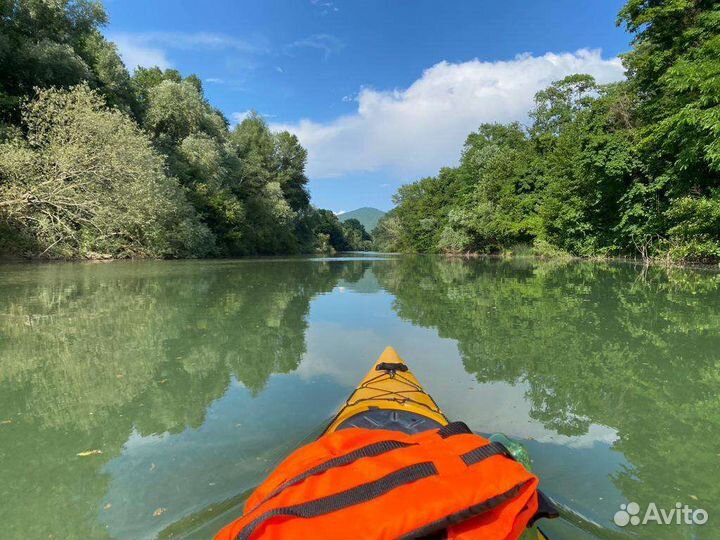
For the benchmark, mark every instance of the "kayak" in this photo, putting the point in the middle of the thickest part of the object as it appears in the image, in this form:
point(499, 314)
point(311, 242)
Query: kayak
point(336, 480)
point(389, 397)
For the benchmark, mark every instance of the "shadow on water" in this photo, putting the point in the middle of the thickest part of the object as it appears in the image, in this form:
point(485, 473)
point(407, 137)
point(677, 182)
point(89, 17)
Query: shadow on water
point(608, 373)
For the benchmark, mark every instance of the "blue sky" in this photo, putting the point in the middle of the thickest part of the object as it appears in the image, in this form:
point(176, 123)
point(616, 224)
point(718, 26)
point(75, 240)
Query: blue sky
point(380, 92)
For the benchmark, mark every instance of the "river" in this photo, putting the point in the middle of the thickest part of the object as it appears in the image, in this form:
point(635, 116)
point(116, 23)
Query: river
point(186, 381)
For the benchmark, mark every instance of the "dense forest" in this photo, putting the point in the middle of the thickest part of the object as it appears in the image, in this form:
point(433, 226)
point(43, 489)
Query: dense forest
point(96, 161)
point(626, 169)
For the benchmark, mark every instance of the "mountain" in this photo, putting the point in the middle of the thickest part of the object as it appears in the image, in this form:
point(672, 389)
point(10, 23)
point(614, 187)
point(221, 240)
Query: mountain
point(367, 216)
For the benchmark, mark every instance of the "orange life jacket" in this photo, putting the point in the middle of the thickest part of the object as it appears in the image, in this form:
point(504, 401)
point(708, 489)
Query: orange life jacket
point(377, 484)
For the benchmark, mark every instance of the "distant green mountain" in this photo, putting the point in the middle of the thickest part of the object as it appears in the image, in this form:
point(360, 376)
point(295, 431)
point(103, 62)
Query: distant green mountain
point(367, 216)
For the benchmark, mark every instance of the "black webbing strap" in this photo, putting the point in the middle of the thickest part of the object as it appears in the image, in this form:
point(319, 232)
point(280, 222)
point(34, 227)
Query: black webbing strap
point(453, 428)
point(370, 450)
point(463, 515)
point(484, 452)
point(344, 499)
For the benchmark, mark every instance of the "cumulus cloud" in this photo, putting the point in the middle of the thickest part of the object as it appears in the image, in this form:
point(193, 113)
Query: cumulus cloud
point(416, 130)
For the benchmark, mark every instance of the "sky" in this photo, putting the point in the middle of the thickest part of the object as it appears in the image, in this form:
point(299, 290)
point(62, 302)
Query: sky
point(381, 93)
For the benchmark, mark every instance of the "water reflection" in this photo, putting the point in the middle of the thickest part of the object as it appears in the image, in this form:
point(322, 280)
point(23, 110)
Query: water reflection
point(632, 355)
point(608, 372)
point(112, 357)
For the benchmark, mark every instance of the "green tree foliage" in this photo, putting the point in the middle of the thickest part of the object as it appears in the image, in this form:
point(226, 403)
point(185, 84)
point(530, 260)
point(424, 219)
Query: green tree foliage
point(329, 231)
point(290, 160)
point(57, 43)
point(493, 205)
point(674, 71)
point(356, 236)
point(386, 234)
point(79, 179)
point(270, 214)
point(85, 181)
point(422, 209)
point(631, 168)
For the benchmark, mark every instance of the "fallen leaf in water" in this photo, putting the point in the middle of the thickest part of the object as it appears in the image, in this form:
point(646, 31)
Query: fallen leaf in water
point(5, 422)
point(107, 506)
point(159, 512)
point(693, 497)
point(89, 453)
point(119, 375)
point(152, 466)
point(163, 381)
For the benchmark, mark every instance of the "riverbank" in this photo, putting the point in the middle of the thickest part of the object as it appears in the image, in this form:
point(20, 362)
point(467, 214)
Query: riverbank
point(656, 262)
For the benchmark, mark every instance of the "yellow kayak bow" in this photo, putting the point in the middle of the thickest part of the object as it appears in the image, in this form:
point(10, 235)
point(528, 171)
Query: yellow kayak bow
point(389, 397)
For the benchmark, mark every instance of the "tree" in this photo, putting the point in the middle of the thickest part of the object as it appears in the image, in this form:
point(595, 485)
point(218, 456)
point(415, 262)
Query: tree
point(174, 111)
point(422, 209)
point(356, 237)
point(561, 130)
point(270, 215)
point(242, 192)
point(673, 70)
point(386, 234)
point(290, 161)
point(57, 43)
point(329, 231)
point(495, 208)
point(87, 182)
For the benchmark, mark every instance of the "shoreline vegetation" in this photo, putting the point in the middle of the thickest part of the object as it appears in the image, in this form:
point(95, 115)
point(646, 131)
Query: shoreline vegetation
point(97, 162)
point(630, 169)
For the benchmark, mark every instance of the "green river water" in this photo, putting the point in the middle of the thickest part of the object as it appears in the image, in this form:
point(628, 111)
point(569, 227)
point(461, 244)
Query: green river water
point(194, 377)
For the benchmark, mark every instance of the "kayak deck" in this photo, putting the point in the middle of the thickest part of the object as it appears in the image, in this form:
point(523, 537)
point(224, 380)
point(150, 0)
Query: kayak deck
point(389, 397)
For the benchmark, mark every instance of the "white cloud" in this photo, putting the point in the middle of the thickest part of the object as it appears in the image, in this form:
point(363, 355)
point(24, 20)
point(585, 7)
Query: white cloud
point(325, 7)
point(417, 130)
point(238, 117)
point(215, 80)
point(136, 54)
point(149, 49)
point(326, 43)
point(190, 41)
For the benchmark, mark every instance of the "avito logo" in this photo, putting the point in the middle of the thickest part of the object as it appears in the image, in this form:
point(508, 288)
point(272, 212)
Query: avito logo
point(630, 514)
